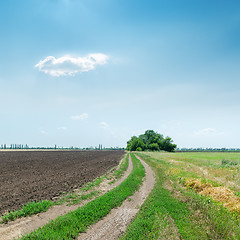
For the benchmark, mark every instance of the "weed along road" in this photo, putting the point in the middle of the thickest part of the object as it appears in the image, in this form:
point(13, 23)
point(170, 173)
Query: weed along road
point(114, 224)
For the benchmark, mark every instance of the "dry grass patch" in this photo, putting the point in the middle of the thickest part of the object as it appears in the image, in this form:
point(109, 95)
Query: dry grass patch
point(219, 194)
point(196, 184)
point(225, 196)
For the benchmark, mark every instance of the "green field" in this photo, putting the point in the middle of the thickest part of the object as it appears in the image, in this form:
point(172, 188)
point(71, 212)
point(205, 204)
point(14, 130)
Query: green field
point(177, 207)
point(222, 168)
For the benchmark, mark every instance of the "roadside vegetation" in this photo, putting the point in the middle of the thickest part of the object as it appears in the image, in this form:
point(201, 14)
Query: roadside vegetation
point(70, 225)
point(28, 210)
point(85, 192)
point(177, 207)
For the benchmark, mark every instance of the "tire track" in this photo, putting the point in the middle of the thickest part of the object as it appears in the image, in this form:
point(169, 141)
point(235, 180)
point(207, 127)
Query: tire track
point(115, 224)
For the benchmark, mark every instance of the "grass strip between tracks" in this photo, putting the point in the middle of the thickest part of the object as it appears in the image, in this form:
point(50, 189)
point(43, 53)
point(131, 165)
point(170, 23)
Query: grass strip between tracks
point(164, 215)
point(34, 207)
point(70, 225)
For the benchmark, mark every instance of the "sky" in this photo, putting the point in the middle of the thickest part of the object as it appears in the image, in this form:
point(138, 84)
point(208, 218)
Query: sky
point(88, 72)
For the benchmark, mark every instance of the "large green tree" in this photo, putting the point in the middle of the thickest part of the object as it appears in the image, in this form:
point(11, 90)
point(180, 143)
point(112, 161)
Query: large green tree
point(151, 141)
point(135, 143)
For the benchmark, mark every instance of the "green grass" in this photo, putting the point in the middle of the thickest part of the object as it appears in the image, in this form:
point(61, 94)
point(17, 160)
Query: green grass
point(173, 212)
point(219, 167)
point(75, 198)
point(28, 210)
point(70, 225)
point(32, 208)
point(123, 167)
point(91, 185)
point(213, 159)
point(113, 175)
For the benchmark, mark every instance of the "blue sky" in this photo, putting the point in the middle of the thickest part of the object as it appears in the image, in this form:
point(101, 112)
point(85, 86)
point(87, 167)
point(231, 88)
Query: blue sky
point(89, 72)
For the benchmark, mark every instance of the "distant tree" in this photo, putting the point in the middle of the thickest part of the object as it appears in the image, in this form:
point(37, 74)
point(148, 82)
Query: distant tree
point(153, 147)
point(152, 141)
point(134, 143)
point(166, 144)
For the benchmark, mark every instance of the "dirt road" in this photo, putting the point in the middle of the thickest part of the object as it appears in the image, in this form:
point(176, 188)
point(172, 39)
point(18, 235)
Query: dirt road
point(113, 225)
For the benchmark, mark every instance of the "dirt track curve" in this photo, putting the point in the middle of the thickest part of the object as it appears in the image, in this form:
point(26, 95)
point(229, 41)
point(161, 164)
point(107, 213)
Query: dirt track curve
point(26, 225)
point(115, 224)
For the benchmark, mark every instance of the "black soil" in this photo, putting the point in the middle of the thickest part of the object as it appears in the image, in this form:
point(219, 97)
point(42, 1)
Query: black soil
point(36, 175)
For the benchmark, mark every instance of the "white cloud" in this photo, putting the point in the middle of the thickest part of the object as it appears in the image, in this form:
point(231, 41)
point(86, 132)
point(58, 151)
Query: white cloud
point(80, 117)
point(62, 128)
point(208, 132)
point(104, 125)
point(44, 132)
point(67, 65)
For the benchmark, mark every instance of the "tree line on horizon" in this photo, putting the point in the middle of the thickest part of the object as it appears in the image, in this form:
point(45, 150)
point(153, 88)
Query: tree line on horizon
point(151, 141)
point(208, 150)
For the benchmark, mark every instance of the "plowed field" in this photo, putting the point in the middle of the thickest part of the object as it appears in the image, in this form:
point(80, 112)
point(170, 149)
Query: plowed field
point(36, 175)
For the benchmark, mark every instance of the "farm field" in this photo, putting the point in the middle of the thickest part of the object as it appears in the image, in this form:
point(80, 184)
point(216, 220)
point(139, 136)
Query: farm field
point(38, 175)
point(196, 196)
